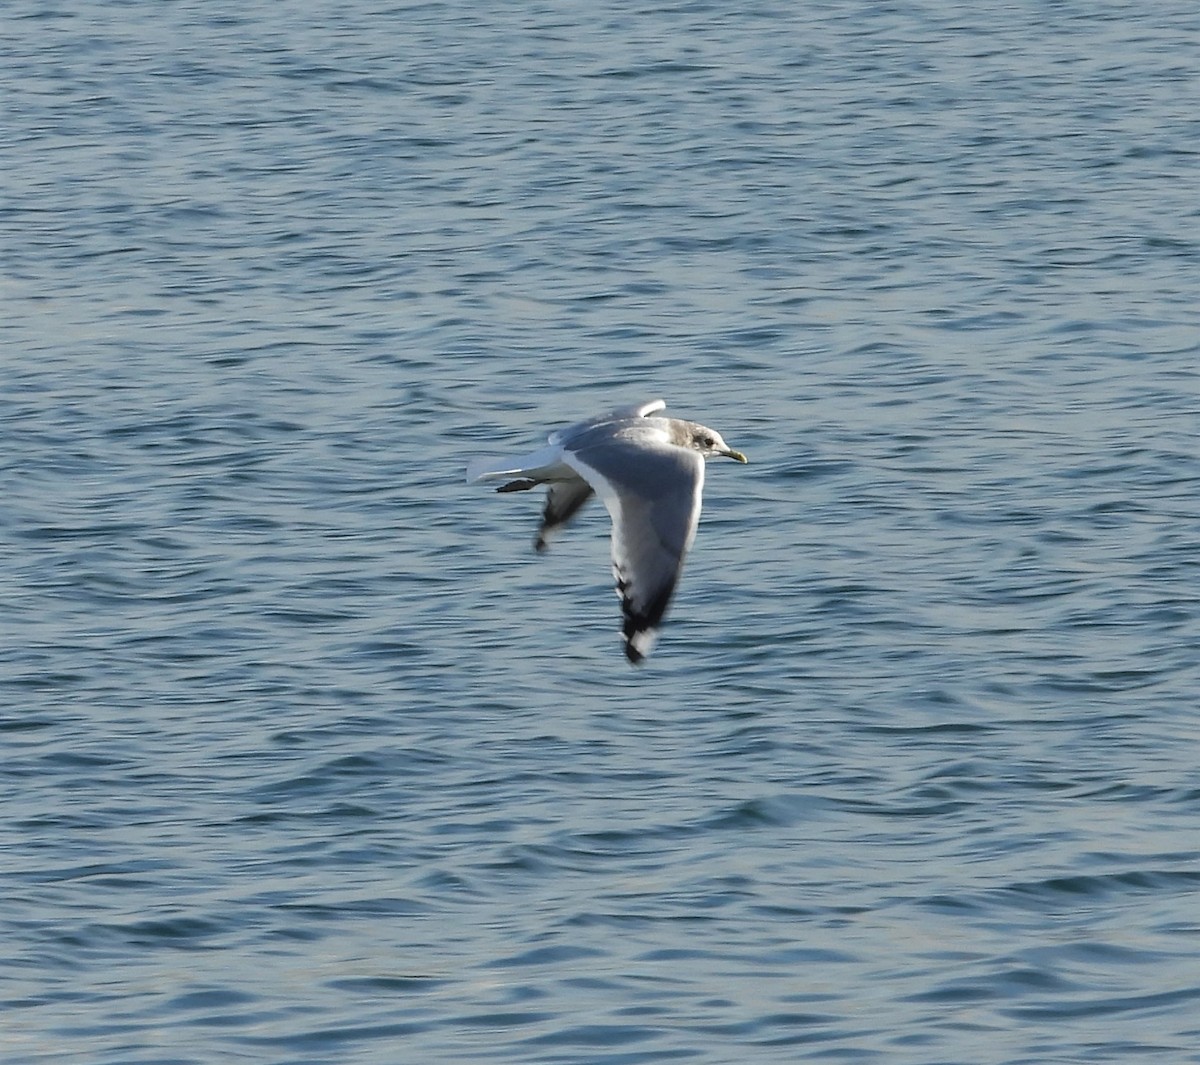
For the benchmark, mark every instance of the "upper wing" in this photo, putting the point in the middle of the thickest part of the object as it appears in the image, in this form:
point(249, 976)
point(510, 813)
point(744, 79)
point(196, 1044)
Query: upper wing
point(636, 410)
point(652, 490)
point(544, 463)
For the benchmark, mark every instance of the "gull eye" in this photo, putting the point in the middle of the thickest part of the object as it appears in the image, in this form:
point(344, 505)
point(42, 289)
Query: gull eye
point(707, 441)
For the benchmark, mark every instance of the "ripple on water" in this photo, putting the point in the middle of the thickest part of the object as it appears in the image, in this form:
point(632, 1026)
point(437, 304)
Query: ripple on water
point(308, 758)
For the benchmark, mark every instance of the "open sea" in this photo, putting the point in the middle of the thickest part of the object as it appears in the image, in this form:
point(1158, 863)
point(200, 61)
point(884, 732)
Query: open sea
point(306, 758)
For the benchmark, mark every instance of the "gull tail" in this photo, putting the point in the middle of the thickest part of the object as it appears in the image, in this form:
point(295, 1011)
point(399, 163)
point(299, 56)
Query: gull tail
point(543, 465)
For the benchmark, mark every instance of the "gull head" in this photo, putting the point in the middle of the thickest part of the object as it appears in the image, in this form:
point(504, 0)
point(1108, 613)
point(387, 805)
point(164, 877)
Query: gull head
point(708, 442)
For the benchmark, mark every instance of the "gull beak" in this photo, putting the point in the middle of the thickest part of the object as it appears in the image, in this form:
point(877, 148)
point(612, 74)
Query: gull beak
point(735, 455)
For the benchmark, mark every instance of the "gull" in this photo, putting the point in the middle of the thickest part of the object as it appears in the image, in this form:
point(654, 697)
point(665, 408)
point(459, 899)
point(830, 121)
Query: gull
point(649, 473)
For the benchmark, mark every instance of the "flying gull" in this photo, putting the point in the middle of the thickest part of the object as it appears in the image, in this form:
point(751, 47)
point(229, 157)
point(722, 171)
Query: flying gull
point(649, 473)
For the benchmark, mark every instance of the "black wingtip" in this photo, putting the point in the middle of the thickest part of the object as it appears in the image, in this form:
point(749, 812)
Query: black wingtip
point(642, 625)
point(521, 484)
point(637, 630)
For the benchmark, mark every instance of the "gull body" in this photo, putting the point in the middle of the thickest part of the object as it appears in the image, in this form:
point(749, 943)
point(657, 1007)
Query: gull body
point(649, 473)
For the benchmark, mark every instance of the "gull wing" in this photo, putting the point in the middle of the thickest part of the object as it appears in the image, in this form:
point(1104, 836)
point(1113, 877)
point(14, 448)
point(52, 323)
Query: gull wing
point(544, 464)
point(563, 501)
point(652, 490)
point(636, 410)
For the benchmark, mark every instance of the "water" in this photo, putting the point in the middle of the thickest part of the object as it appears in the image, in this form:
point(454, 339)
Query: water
point(308, 759)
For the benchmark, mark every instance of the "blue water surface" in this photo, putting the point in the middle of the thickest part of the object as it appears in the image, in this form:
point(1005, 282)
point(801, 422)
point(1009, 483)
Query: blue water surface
point(308, 758)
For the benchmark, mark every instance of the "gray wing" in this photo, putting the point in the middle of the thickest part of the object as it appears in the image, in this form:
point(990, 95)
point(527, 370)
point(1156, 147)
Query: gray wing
point(563, 501)
point(635, 410)
point(652, 490)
